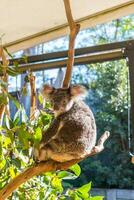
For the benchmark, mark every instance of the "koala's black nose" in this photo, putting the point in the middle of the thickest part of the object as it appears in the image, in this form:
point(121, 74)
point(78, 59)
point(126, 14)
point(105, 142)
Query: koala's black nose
point(56, 107)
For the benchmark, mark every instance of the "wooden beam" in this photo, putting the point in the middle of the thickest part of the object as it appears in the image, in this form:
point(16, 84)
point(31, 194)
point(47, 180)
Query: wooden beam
point(77, 61)
point(78, 52)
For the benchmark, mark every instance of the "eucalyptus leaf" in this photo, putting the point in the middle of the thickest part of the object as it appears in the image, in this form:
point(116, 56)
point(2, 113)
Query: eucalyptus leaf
point(97, 198)
point(8, 53)
point(66, 175)
point(15, 101)
point(37, 135)
point(76, 169)
point(12, 172)
point(84, 190)
point(17, 117)
point(40, 97)
point(24, 115)
point(7, 141)
point(2, 163)
point(12, 72)
point(56, 183)
point(6, 119)
point(3, 99)
point(24, 138)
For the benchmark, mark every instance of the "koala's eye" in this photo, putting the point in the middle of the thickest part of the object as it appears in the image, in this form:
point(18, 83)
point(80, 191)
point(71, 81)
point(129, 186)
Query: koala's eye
point(52, 102)
point(64, 101)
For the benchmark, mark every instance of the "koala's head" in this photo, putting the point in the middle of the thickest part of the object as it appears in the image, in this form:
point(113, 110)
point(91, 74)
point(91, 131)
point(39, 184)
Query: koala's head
point(62, 99)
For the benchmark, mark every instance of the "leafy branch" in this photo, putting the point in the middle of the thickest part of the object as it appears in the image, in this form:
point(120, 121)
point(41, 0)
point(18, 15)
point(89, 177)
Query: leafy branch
point(47, 167)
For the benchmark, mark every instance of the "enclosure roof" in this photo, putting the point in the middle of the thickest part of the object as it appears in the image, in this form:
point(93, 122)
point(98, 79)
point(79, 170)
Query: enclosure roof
point(26, 23)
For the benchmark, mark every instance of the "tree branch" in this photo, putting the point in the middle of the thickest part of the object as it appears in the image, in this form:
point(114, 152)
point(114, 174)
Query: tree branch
point(33, 97)
point(47, 167)
point(74, 29)
point(4, 78)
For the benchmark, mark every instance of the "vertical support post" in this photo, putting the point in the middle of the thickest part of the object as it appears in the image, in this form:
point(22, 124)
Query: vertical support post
point(130, 55)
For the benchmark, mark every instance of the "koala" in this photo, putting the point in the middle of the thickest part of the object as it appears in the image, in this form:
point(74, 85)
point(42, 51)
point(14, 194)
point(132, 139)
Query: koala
point(72, 133)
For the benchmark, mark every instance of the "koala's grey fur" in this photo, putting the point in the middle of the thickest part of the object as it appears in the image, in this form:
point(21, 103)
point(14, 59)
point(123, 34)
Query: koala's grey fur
point(72, 134)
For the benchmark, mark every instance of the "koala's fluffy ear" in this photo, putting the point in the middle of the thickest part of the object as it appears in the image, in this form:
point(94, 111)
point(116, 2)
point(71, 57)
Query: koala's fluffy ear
point(47, 90)
point(78, 91)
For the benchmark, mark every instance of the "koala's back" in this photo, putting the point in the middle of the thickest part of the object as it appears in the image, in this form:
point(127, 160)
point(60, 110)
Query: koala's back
point(77, 130)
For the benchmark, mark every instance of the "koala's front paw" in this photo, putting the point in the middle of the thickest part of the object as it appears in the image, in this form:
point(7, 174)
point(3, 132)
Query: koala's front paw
point(35, 154)
point(96, 149)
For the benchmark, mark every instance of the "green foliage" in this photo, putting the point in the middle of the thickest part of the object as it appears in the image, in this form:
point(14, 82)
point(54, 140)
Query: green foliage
point(109, 99)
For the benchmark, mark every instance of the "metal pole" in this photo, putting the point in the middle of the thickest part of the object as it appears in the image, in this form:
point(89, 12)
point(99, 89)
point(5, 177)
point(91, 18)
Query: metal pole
point(130, 55)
